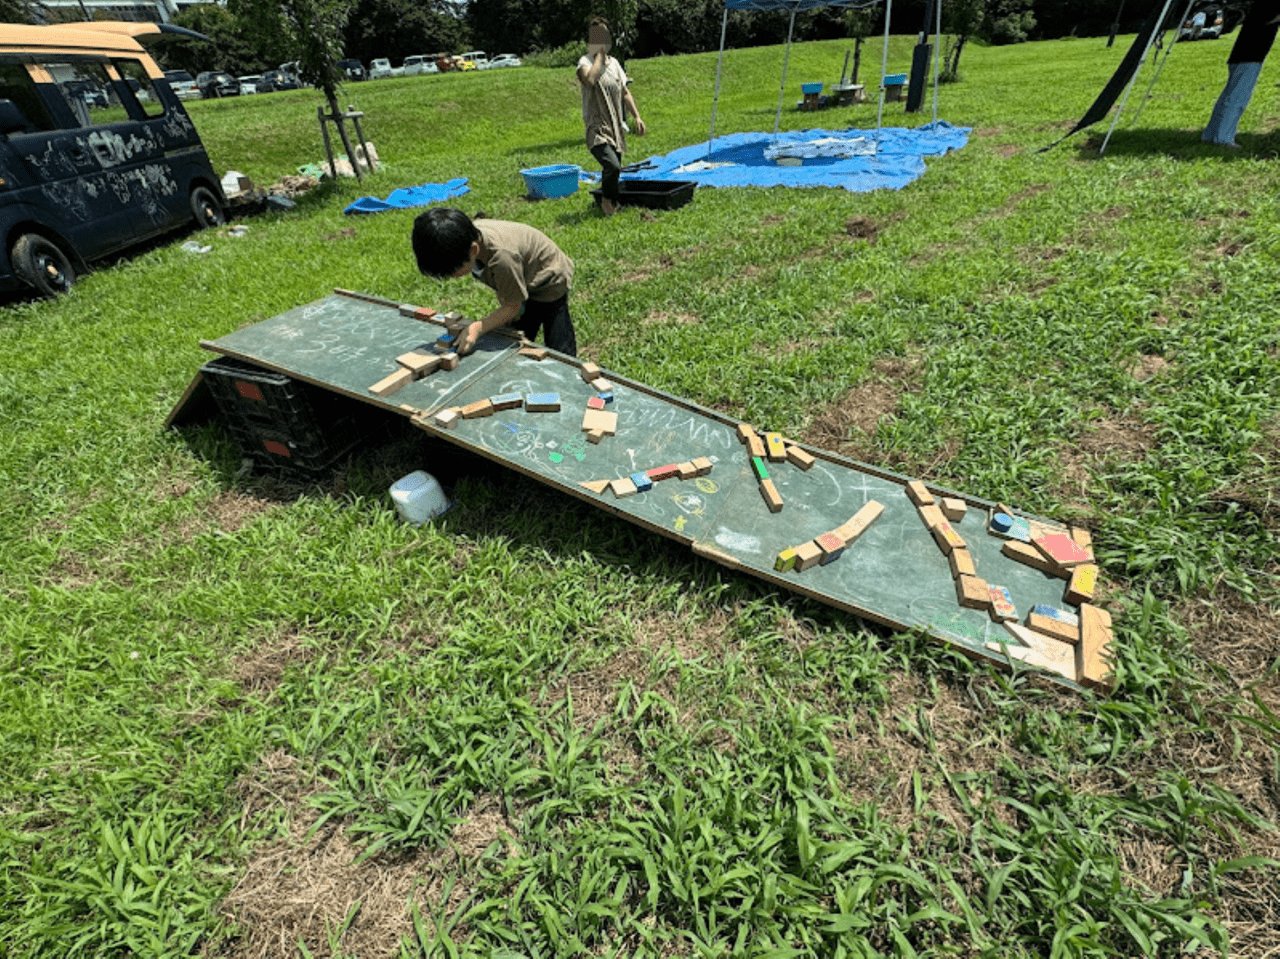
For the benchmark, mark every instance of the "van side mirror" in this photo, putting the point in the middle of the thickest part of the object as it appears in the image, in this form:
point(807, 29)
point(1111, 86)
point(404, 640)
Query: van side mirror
point(12, 120)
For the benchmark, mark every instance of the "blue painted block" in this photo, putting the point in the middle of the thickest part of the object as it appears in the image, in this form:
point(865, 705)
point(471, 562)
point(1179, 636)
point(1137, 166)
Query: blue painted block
point(642, 482)
point(1052, 612)
point(607, 396)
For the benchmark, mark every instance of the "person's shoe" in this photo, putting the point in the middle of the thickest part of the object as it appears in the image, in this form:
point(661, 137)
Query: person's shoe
point(609, 207)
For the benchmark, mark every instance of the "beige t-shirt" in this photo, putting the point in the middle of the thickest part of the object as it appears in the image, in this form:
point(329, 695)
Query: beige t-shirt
point(521, 263)
point(602, 109)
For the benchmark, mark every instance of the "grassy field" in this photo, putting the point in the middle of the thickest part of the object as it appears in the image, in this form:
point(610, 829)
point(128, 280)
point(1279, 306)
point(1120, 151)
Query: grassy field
point(246, 717)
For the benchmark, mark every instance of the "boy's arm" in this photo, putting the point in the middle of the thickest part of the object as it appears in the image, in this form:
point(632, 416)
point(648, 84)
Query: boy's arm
point(629, 103)
point(589, 75)
point(469, 337)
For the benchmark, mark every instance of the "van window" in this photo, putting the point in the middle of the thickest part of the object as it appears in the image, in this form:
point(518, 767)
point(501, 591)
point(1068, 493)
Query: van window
point(89, 93)
point(135, 77)
point(16, 85)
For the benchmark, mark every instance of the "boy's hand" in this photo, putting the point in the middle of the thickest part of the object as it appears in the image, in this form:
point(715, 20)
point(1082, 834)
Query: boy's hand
point(640, 128)
point(468, 338)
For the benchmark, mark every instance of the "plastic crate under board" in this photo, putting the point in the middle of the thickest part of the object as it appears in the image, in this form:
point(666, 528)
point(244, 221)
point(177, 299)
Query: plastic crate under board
point(279, 421)
point(654, 194)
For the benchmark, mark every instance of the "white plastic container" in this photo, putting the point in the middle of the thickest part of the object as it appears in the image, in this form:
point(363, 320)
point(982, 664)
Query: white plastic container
point(419, 497)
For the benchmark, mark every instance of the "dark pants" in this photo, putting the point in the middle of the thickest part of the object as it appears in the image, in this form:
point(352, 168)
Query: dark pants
point(554, 321)
point(610, 167)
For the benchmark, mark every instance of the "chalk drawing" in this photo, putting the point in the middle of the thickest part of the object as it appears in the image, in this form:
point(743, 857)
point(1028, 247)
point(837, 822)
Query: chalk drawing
point(741, 542)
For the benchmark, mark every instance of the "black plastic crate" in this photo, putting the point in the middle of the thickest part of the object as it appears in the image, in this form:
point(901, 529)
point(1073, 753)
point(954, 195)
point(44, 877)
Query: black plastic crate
point(279, 421)
point(654, 194)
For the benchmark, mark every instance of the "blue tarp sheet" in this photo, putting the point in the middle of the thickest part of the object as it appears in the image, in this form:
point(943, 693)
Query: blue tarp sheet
point(410, 196)
point(751, 159)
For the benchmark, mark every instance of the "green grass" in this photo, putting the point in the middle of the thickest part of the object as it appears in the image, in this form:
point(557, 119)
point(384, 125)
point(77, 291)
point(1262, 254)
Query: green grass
point(242, 715)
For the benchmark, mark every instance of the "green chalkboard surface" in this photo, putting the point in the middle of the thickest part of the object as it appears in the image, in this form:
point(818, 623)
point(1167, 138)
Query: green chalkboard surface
point(894, 574)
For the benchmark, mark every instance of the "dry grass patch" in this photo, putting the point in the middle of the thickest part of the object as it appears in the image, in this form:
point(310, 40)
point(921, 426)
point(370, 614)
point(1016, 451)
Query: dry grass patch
point(848, 425)
point(664, 318)
point(259, 670)
point(1146, 366)
point(1124, 439)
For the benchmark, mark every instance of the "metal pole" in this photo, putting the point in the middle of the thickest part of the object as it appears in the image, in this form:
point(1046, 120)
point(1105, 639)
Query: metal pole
point(724, 25)
point(1120, 109)
point(785, 60)
point(937, 55)
point(1168, 50)
point(884, 66)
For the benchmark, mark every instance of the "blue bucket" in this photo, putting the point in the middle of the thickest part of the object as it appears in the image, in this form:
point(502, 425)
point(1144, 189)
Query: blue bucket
point(549, 182)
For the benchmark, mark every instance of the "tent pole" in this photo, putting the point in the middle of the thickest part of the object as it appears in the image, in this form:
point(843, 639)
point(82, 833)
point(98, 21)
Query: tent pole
point(1168, 50)
point(785, 60)
point(715, 100)
point(937, 55)
point(1120, 109)
point(884, 66)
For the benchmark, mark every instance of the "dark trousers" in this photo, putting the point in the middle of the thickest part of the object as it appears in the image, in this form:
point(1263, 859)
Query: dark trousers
point(610, 167)
point(554, 321)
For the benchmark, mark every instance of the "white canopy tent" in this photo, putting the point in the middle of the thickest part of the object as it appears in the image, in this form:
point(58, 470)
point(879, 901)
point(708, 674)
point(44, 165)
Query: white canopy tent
point(795, 6)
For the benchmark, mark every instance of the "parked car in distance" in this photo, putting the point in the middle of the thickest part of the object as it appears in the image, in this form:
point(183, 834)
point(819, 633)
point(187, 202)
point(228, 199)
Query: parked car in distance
point(89, 92)
point(1204, 24)
point(249, 84)
point(473, 60)
point(183, 84)
point(274, 80)
point(381, 68)
point(353, 70)
point(216, 83)
point(504, 60)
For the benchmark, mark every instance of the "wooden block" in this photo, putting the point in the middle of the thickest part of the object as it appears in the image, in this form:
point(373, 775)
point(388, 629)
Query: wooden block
point(659, 473)
point(1060, 548)
point(1082, 538)
point(931, 515)
point(775, 449)
point(602, 420)
point(391, 383)
point(1002, 608)
point(807, 555)
point(919, 493)
point(450, 361)
point(798, 457)
point(1093, 654)
point(418, 363)
point(757, 465)
point(595, 436)
point(832, 545)
point(947, 538)
point(601, 385)
point(1030, 556)
point(642, 481)
point(542, 403)
point(596, 486)
point(786, 560)
point(972, 592)
point(595, 403)
point(1037, 650)
point(507, 401)
point(687, 471)
point(1009, 527)
point(961, 563)
point(446, 419)
point(533, 352)
point(447, 340)
point(416, 312)
point(858, 523)
point(1083, 582)
point(745, 432)
point(589, 372)
point(479, 408)
point(703, 465)
point(755, 446)
point(606, 395)
point(623, 487)
point(770, 494)
point(408, 408)
point(1054, 622)
point(954, 509)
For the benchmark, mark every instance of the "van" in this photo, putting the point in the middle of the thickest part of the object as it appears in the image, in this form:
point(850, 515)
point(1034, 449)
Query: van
point(473, 60)
point(96, 150)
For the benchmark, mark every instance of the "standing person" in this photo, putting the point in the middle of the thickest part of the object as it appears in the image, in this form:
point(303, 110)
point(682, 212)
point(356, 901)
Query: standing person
point(529, 273)
point(1257, 34)
point(606, 99)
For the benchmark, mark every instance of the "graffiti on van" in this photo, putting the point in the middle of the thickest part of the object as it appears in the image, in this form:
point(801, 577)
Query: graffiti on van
point(69, 196)
point(178, 126)
point(112, 149)
point(54, 163)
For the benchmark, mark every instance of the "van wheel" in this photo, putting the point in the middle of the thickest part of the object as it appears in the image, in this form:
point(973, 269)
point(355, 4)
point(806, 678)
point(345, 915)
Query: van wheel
point(206, 208)
point(41, 264)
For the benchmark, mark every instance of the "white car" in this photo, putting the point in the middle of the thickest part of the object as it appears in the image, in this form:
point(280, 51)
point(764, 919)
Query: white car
point(249, 84)
point(504, 60)
point(382, 67)
point(419, 64)
point(181, 82)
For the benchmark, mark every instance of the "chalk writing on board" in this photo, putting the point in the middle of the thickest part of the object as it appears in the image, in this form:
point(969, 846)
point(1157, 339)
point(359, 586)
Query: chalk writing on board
point(694, 427)
point(741, 542)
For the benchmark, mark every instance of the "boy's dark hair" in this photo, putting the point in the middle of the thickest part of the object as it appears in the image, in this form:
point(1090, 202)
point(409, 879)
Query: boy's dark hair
point(442, 241)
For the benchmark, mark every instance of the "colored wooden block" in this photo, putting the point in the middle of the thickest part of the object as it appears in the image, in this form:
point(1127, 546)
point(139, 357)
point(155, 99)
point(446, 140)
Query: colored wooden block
point(602, 420)
point(479, 408)
point(947, 538)
point(1054, 622)
point(1093, 654)
point(659, 473)
point(596, 486)
point(1060, 548)
point(775, 449)
point(687, 471)
point(919, 493)
point(589, 372)
point(831, 544)
point(601, 385)
point(595, 436)
point(1002, 608)
point(798, 457)
point(507, 401)
point(1030, 556)
point(1082, 538)
point(954, 509)
point(533, 352)
point(972, 592)
point(542, 403)
point(447, 340)
point(642, 481)
point(595, 403)
point(755, 446)
point(392, 382)
point(416, 312)
point(999, 523)
point(606, 395)
point(446, 419)
point(450, 361)
point(1010, 527)
point(703, 465)
point(771, 497)
point(961, 563)
point(807, 555)
point(1083, 582)
point(1033, 649)
point(745, 432)
point(931, 515)
point(786, 560)
point(858, 523)
point(757, 464)
point(623, 487)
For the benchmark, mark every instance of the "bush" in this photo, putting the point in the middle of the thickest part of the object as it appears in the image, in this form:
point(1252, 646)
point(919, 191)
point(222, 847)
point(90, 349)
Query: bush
point(562, 56)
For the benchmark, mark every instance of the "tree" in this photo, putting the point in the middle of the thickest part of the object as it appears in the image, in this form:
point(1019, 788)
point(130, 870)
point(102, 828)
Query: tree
point(233, 48)
point(399, 28)
point(859, 23)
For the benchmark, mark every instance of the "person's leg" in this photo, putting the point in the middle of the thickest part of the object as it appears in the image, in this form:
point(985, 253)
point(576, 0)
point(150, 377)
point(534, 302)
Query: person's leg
point(610, 169)
point(554, 321)
point(1235, 96)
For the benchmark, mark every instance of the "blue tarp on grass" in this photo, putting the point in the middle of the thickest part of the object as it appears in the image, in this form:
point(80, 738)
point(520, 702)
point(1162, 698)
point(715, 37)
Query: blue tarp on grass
point(751, 159)
point(410, 196)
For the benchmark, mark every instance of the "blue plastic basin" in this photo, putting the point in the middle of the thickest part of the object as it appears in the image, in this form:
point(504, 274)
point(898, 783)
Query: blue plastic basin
point(549, 182)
